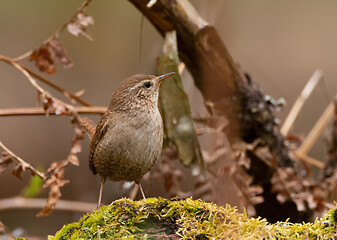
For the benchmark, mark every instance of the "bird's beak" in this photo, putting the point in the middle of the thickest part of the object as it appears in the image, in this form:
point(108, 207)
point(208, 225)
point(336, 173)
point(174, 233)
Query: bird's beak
point(164, 76)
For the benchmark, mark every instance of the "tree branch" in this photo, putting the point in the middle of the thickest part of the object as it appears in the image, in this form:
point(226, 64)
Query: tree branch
point(23, 162)
point(41, 111)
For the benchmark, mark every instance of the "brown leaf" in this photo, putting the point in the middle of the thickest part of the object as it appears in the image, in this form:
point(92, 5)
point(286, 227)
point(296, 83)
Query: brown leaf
point(55, 182)
point(44, 56)
point(84, 19)
point(171, 174)
point(73, 159)
point(5, 160)
point(43, 59)
point(248, 194)
point(78, 26)
point(60, 53)
point(76, 148)
point(51, 104)
point(19, 168)
point(300, 204)
point(282, 197)
point(55, 165)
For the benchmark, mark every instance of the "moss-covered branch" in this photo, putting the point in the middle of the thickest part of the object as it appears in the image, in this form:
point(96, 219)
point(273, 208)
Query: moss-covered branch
point(158, 218)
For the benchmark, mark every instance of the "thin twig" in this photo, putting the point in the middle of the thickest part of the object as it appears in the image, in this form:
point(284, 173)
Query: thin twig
point(316, 130)
point(40, 111)
point(307, 159)
point(296, 108)
point(65, 92)
point(59, 31)
point(30, 203)
point(24, 163)
point(56, 34)
point(21, 69)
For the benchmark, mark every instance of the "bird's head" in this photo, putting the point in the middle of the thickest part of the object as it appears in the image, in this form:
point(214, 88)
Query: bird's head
point(138, 90)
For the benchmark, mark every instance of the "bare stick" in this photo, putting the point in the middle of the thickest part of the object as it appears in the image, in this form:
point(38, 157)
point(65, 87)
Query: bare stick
point(312, 161)
point(24, 164)
point(30, 203)
point(19, 67)
point(41, 111)
point(65, 92)
point(316, 130)
point(296, 108)
point(27, 74)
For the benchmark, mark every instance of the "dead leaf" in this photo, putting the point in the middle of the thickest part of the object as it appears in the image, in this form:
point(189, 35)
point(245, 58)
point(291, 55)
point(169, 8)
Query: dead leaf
point(43, 59)
point(44, 56)
point(78, 27)
point(55, 165)
point(55, 182)
point(300, 204)
point(252, 192)
point(171, 175)
point(84, 19)
point(60, 53)
point(19, 168)
point(73, 159)
point(51, 104)
point(5, 160)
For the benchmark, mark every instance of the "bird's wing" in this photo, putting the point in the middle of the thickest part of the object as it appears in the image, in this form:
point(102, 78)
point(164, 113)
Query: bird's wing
point(101, 129)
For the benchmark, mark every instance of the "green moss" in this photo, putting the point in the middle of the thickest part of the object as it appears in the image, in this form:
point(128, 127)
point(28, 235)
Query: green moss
point(158, 218)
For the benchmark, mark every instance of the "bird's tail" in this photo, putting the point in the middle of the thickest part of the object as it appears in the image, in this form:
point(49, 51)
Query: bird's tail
point(89, 126)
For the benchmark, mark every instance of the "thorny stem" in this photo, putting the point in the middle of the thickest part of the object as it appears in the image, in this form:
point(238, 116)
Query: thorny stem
point(56, 34)
point(24, 163)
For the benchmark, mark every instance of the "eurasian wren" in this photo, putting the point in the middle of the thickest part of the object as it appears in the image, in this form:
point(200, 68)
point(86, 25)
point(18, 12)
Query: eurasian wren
point(128, 139)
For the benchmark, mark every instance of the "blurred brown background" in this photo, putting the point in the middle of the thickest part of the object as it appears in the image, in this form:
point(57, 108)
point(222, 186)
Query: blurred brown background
point(280, 43)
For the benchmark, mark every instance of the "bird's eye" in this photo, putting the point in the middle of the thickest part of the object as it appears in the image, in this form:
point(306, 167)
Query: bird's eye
point(147, 84)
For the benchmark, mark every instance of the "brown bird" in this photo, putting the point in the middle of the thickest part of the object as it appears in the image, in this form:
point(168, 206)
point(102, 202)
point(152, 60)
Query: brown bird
point(128, 139)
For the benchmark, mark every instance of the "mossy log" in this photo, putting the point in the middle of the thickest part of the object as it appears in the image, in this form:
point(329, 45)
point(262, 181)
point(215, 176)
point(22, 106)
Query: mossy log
point(178, 218)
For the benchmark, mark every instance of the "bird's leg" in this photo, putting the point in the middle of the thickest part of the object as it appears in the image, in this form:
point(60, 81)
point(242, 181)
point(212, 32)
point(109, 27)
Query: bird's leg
point(103, 179)
point(141, 190)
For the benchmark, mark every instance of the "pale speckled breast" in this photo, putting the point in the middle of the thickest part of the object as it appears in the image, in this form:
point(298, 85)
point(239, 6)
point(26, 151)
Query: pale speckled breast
point(130, 147)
